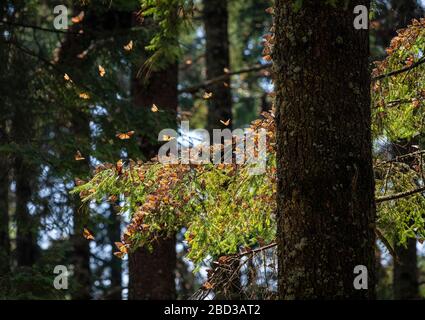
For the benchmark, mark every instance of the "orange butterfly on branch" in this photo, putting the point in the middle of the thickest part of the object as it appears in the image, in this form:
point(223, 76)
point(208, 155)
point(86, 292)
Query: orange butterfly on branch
point(119, 166)
point(129, 46)
point(207, 286)
point(207, 95)
point(78, 18)
point(154, 108)
point(87, 234)
point(84, 96)
point(119, 255)
point(101, 71)
point(226, 123)
point(67, 77)
point(78, 156)
point(121, 247)
point(125, 135)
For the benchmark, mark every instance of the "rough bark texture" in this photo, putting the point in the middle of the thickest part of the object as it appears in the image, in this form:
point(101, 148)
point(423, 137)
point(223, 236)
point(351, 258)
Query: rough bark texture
point(326, 210)
point(152, 272)
point(215, 17)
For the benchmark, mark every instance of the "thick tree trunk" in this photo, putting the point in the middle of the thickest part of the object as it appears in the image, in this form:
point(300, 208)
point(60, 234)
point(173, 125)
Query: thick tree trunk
point(152, 272)
point(326, 210)
point(215, 17)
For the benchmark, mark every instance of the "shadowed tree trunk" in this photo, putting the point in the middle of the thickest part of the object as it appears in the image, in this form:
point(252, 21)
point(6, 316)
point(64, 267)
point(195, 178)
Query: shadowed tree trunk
point(152, 273)
point(326, 210)
point(4, 205)
point(4, 160)
point(405, 281)
point(73, 45)
point(25, 173)
point(215, 18)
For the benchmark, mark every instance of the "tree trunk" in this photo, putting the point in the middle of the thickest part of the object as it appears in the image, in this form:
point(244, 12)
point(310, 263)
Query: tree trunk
point(215, 17)
point(4, 160)
point(326, 210)
point(405, 281)
point(152, 272)
point(4, 206)
point(24, 172)
point(73, 45)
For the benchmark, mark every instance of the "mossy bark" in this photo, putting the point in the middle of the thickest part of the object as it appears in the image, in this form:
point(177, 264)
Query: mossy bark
point(326, 209)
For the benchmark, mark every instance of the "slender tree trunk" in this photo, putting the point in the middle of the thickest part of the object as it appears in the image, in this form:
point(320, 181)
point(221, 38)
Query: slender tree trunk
point(73, 45)
point(24, 172)
point(152, 272)
point(4, 206)
point(4, 161)
point(326, 210)
point(215, 17)
point(81, 247)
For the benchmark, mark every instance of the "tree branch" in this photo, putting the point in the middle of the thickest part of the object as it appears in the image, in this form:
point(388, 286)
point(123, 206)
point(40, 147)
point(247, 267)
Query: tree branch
point(23, 25)
point(396, 72)
point(224, 77)
point(399, 195)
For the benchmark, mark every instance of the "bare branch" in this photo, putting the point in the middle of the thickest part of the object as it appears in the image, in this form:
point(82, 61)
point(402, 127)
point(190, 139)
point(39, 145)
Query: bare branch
point(400, 195)
point(224, 77)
